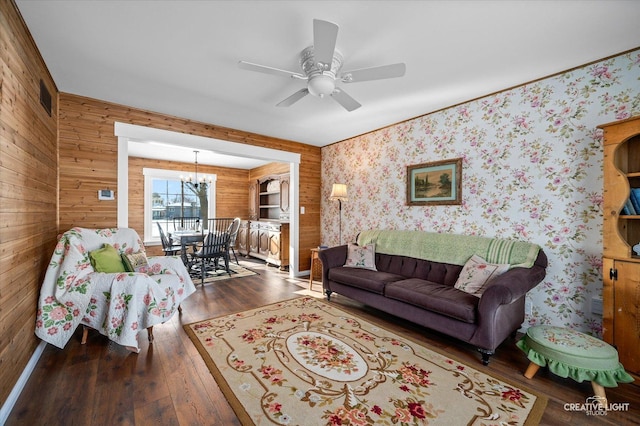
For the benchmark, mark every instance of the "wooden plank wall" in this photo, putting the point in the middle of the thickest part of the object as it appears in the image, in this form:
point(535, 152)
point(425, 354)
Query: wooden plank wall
point(232, 191)
point(28, 191)
point(269, 169)
point(88, 158)
point(51, 168)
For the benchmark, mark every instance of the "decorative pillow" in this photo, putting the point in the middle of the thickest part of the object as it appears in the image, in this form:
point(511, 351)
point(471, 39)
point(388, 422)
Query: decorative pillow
point(476, 273)
point(135, 262)
point(361, 256)
point(106, 259)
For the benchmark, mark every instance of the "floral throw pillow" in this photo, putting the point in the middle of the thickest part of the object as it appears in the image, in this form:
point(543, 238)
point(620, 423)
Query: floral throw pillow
point(477, 273)
point(361, 256)
point(135, 262)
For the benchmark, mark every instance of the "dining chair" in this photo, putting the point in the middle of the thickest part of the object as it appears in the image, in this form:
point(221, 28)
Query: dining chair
point(186, 223)
point(215, 246)
point(233, 232)
point(168, 247)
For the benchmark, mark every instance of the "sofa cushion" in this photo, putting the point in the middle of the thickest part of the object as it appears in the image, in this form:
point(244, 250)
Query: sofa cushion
point(440, 298)
point(361, 256)
point(477, 273)
point(410, 267)
point(365, 279)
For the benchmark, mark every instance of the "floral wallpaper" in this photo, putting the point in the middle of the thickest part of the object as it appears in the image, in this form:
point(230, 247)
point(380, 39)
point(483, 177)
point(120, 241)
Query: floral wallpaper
point(532, 170)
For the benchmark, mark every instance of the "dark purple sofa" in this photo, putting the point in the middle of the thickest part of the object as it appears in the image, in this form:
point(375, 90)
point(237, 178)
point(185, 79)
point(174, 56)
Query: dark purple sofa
point(422, 292)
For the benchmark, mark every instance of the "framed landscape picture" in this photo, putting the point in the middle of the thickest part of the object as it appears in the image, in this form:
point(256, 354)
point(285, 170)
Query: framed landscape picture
point(435, 183)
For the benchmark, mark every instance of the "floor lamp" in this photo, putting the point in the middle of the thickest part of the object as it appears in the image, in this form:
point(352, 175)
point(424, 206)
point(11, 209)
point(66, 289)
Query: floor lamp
point(339, 192)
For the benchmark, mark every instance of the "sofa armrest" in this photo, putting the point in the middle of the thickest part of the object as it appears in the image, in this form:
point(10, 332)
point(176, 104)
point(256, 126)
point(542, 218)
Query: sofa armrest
point(509, 287)
point(501, 307)
point(331, 258)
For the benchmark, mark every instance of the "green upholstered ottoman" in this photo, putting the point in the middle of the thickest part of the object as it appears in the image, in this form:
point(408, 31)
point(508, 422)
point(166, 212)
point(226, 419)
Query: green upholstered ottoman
point(569, 353)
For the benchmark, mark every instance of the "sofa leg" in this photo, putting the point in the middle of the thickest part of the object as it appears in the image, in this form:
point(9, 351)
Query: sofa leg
point(328, 293)
point(486, 354)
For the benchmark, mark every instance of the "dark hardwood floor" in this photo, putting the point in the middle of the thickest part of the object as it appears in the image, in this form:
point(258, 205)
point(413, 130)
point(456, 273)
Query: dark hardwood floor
point(168, 383)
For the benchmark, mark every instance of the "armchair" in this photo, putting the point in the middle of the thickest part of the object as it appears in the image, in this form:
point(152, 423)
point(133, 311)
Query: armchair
point(117, 304)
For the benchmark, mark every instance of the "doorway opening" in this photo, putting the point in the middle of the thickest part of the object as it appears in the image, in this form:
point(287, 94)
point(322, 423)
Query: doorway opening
point(129, 132)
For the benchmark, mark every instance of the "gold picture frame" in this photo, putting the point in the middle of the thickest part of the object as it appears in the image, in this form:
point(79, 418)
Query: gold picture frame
point(435, 183)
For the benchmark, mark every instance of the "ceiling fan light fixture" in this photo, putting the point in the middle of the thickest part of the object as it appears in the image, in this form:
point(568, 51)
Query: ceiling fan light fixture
point(321, 85)
point(321, 64)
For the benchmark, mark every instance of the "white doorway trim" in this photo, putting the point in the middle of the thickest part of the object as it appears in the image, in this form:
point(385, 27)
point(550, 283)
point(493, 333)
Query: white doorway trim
point(126, 132)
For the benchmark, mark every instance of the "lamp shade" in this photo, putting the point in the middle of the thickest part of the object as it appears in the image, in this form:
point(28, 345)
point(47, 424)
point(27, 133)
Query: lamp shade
point(321, 85)
point(339, 191)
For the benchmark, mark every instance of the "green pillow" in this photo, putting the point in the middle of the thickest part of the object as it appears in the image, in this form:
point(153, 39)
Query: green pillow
point(106, 259)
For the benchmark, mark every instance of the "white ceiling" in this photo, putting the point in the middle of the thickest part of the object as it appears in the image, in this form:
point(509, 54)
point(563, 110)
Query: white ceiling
point(185, 154)
point(180, 57)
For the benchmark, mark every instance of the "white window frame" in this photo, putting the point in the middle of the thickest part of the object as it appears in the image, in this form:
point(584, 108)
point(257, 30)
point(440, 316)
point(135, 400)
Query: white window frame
point(149, 175)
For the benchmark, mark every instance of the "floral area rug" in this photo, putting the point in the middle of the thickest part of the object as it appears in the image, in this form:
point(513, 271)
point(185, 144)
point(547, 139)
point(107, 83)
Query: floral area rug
point(306, 362)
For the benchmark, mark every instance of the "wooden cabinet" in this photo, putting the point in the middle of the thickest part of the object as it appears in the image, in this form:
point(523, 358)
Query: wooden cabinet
point(254, 230)
point(621, 310)
point(269, 241)
point(278, 253)
point(274, 245)
point(284, 197)
point(267, 230)
point(263, 241)
point(253, 200)
point(621, 231)
point(273, 197)
point(242, 242)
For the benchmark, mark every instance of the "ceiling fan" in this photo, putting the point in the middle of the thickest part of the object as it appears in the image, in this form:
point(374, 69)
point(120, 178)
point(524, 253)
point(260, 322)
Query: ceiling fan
point(321, 65)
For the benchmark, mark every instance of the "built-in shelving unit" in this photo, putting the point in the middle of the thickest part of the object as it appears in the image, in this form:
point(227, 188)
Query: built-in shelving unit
point(271, 197)
point(266, 234)
point(621, 232)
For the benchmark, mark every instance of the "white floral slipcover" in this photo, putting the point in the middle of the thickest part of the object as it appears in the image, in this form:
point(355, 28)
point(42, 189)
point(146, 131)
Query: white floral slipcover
point(118, 305)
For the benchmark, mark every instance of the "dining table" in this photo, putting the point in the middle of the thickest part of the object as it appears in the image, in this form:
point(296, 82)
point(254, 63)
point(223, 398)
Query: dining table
point(185, 239)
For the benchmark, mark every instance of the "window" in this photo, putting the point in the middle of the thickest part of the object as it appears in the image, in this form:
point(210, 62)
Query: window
point(166, 197)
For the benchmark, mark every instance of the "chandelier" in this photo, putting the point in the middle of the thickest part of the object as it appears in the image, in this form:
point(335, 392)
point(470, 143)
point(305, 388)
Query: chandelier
point(197, 181)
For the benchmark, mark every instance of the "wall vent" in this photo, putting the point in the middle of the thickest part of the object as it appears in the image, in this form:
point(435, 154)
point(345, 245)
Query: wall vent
point(45, 97)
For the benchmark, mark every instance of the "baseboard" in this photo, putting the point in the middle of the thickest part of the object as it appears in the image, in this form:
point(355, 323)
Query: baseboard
point(22, 381)
point(304, 273)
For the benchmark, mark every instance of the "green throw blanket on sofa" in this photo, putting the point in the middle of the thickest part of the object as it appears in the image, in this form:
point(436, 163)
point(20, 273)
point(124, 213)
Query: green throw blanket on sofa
point(450, 248)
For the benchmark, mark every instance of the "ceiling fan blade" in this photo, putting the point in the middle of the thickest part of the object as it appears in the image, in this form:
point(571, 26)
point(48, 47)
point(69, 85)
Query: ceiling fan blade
point(345, 100)
point(294, 98)
point(269, 70)
point(374, 73)
point(325, 34)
